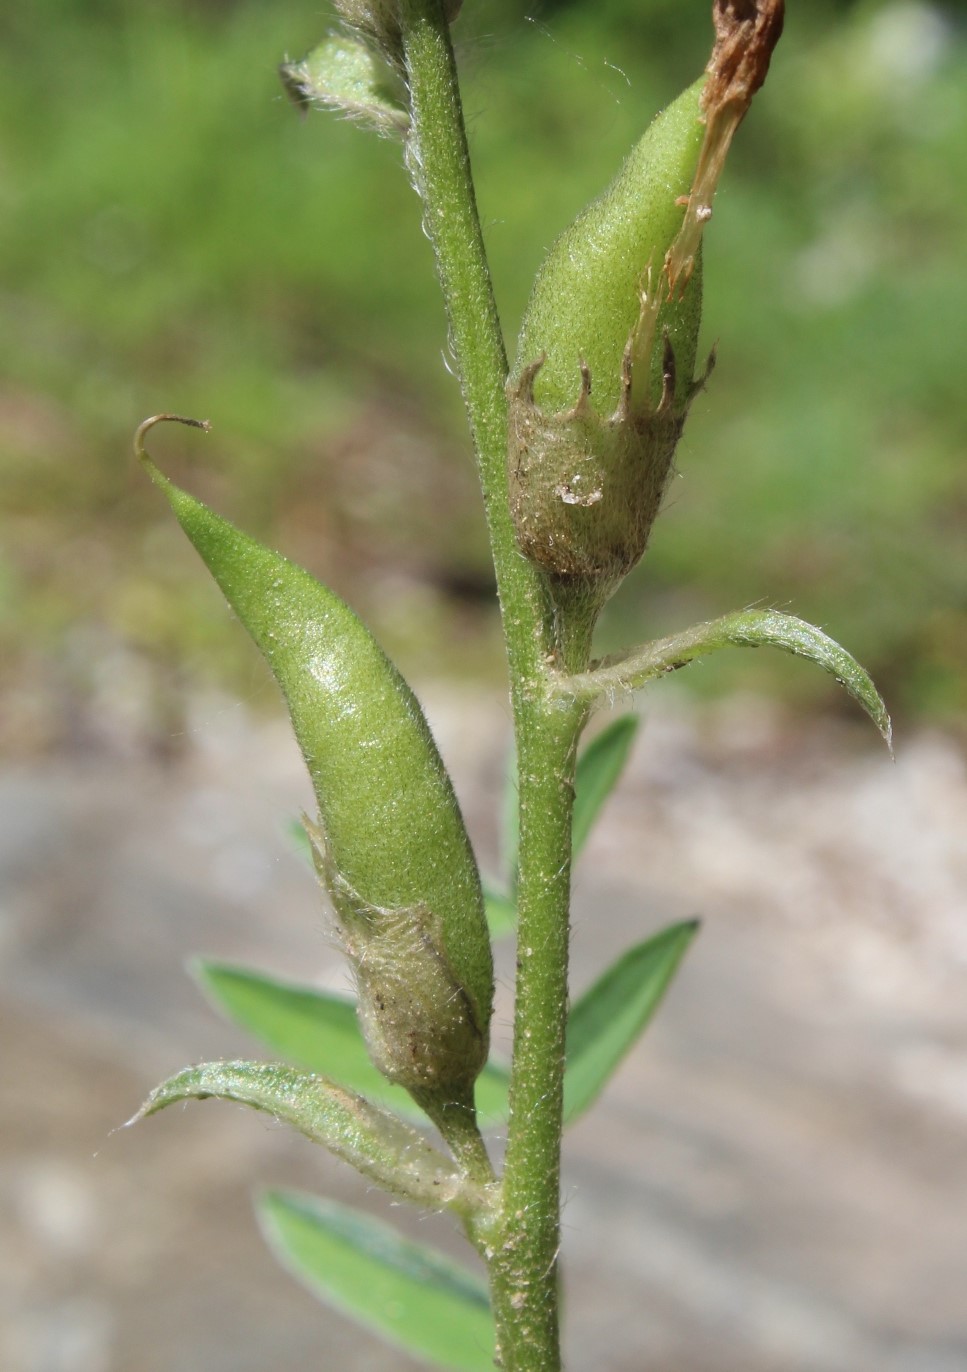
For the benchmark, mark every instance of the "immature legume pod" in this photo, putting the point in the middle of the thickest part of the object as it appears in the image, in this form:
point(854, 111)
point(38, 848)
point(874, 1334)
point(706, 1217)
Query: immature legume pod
point(391, 843)
point(601, 386)
point(586, 298)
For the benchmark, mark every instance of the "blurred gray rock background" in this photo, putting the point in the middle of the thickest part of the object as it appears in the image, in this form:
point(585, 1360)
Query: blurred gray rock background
point(776, 1179)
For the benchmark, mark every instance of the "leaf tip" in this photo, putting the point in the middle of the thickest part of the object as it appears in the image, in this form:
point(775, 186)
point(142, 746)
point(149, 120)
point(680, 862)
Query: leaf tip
point(267, 1202)
point(145, 427)
point(886, 730)
point(198, 968)
point(146, 1108)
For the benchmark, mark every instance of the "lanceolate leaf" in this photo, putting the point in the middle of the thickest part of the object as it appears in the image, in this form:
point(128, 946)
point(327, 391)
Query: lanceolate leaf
point(599, 767)
point(411, 1295)
point(375, 1142)
point(606, 1021)
point(313, 1029)
point(747, 629)
point(319, 1031)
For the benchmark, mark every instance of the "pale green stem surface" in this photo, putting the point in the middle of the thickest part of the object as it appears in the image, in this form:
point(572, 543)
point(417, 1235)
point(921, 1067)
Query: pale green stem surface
point(522, 1250)
point(523, 1269)
point(439, 161)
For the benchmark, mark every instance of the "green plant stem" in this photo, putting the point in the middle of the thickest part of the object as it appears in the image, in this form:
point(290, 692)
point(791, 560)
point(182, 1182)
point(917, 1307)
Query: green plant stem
point(522, 1253)
point(439, 160)
point(524, 1265)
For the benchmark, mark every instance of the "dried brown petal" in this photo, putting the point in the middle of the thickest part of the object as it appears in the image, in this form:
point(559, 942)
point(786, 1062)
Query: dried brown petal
point(746, 32)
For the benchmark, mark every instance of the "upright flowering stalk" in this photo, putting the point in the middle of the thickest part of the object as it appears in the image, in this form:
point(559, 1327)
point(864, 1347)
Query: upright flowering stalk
point(574, 454)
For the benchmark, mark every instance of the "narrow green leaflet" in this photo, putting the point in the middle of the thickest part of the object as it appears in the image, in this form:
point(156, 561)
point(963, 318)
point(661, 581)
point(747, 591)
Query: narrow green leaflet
point(319, 1031)
point(609, 1017)
point(313, 1029)
point(603, 1024)
point(343, 73)
point(599, 767)
point(375, 1142)
point(411, 1295)
point(747, 629)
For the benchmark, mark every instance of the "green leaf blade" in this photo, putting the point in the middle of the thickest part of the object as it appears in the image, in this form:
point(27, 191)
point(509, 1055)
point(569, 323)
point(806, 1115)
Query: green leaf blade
point(319, 1031)
point(407, 1293)
point(376, 1143)
point(599, 767)
point(314, 1029)
point(611, 1015)
point(746, 629)
point(772, 629)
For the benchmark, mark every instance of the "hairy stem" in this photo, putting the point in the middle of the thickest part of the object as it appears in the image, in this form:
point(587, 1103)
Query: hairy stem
point(524, 1264)
point(439, 160)
point(522, 1253)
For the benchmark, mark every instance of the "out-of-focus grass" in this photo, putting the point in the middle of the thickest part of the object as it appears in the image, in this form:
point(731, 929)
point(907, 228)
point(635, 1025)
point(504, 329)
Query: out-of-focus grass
point(174, 236)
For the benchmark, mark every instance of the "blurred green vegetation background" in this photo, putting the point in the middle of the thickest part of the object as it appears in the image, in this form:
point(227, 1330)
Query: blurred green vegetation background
point(174, 236)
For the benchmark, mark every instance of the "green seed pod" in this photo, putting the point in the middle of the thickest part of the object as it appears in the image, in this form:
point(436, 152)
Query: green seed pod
point(605, 369)
point(391, 844)
point(618, 302)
